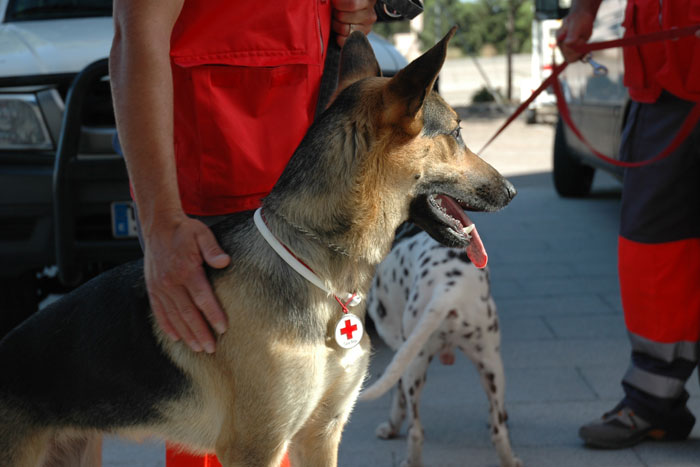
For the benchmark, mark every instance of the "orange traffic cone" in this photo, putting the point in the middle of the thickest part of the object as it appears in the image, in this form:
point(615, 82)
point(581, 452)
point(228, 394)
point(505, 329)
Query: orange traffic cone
point(175, 457)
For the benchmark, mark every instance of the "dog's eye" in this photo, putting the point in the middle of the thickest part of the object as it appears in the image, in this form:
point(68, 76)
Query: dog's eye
point(457, 133)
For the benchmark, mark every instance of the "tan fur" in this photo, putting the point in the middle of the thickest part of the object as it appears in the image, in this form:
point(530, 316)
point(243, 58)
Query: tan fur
point(270, 387)
point(54, 448)
point(310, 415)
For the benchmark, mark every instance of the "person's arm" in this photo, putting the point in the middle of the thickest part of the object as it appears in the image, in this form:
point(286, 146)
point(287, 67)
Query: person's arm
point(175, 245)
point(352, 15)
point(577, 27)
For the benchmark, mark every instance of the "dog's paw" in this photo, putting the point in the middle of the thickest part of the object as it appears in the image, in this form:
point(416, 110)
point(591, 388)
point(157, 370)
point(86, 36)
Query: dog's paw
point(410, 463)
point(385, 431)
point(515, 463)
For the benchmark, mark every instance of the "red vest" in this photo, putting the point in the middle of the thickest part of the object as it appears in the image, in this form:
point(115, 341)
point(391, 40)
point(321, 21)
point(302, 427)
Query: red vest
point(670, 65)
point(246, 77)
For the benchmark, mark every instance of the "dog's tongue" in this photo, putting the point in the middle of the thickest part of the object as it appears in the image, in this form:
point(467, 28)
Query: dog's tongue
point(475, 250)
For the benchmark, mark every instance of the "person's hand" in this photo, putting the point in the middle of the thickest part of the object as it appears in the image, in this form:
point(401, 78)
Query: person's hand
point(352, 15)
point(575, 31)
point(181, 296)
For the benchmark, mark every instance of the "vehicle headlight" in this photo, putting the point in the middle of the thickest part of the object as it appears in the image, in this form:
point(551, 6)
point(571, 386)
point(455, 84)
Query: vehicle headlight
point(22, 124)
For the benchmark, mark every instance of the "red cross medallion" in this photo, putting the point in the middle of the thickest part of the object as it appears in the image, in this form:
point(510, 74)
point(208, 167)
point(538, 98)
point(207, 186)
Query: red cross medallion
point(348, 331)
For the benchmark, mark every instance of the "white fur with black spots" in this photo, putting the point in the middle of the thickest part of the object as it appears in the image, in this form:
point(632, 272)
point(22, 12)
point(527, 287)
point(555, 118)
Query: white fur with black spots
point(426, 300)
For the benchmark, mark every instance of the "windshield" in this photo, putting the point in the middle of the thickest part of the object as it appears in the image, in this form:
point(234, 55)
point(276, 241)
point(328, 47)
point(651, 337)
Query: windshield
point(32, 10)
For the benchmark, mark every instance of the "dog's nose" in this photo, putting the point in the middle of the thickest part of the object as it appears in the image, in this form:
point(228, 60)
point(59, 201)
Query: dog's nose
point(510, 190)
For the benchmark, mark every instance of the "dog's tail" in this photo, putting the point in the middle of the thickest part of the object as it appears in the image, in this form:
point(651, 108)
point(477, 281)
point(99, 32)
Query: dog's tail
point(429, 322)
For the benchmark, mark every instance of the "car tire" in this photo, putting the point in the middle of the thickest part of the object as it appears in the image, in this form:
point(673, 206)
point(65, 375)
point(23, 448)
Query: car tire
point(19, 299)
point(572, 179)
point(530, 116)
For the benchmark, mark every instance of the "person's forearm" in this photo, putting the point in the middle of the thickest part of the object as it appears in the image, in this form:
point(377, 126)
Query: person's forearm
point(142, 91)
point(175, 246)
point(576, 28)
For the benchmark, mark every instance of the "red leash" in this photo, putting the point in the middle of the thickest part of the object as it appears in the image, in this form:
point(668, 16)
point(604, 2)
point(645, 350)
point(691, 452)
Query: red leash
point(553, 80)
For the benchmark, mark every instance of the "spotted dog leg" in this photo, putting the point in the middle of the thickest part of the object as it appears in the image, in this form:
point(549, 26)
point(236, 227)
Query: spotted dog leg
point(397, 414)
point(413, 383)
point(487, 359)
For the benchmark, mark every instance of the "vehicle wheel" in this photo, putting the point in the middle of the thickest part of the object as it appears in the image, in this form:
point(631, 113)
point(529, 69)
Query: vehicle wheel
point(571, 178)
point(530, 116)
point(19, 298)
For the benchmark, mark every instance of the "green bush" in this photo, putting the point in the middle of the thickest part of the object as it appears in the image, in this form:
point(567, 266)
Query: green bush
point(483, 95)
point(480, 22)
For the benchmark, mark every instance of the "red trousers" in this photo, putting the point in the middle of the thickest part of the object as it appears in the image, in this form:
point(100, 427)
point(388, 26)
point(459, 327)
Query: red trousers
point(175, 458)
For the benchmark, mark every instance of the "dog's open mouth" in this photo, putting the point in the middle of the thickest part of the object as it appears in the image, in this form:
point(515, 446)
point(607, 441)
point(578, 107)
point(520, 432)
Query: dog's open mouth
point(451, 212)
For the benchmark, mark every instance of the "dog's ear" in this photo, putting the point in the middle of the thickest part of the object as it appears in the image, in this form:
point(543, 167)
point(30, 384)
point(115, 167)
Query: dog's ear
point(405, 93)
point(357, 61)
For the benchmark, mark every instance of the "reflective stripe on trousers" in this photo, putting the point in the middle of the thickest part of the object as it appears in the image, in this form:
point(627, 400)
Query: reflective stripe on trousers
point(661, 369)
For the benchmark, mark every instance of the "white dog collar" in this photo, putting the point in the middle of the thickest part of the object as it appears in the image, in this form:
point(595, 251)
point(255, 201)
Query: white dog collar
point(349, 330)
point(298, 266)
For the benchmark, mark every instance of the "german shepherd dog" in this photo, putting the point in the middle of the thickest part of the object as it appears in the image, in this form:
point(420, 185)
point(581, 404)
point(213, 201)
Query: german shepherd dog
point(94, 361)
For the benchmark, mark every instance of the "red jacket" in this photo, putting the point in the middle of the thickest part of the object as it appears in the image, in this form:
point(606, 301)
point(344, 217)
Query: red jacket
point(246, 77)
point(670, 65)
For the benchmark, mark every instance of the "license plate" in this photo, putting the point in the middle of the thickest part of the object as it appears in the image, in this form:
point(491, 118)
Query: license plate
point(123, 220)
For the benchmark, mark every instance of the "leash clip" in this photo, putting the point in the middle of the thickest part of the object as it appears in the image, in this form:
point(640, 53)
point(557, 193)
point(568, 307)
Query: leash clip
point(598, 69)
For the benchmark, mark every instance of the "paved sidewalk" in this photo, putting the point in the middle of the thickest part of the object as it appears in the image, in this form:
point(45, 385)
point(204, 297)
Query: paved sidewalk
point(564, 346)
point(553, 271)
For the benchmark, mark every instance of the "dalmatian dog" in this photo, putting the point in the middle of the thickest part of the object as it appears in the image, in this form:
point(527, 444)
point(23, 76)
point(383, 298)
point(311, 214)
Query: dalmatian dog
point(428, 299)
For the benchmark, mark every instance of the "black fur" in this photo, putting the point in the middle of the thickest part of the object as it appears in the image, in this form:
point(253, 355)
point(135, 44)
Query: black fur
point(101, 335)
point(317, 154)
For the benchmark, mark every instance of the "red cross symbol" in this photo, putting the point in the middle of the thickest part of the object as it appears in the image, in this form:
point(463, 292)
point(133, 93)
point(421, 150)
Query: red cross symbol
point(348, 329)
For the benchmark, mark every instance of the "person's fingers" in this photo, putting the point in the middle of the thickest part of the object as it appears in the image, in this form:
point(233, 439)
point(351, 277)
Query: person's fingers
point(360, 20)
point(562, 32)
point(352, 15)
point(353, 5)
point(199, 287)
point(213, 254)
point(170, 314)
point(162, 319)
point(343, 30)
point(160, 306)
point(193, 318)
point(203, 296)
point(184, 304)
point(161, 292)
point(564, 41)
point(575, 32)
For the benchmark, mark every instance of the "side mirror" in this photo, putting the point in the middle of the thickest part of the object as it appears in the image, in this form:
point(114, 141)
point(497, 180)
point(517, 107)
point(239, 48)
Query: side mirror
point(551, 9)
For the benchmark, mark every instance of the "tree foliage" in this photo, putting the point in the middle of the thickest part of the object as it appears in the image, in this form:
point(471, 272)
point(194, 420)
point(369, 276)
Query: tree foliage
point(480, 23)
